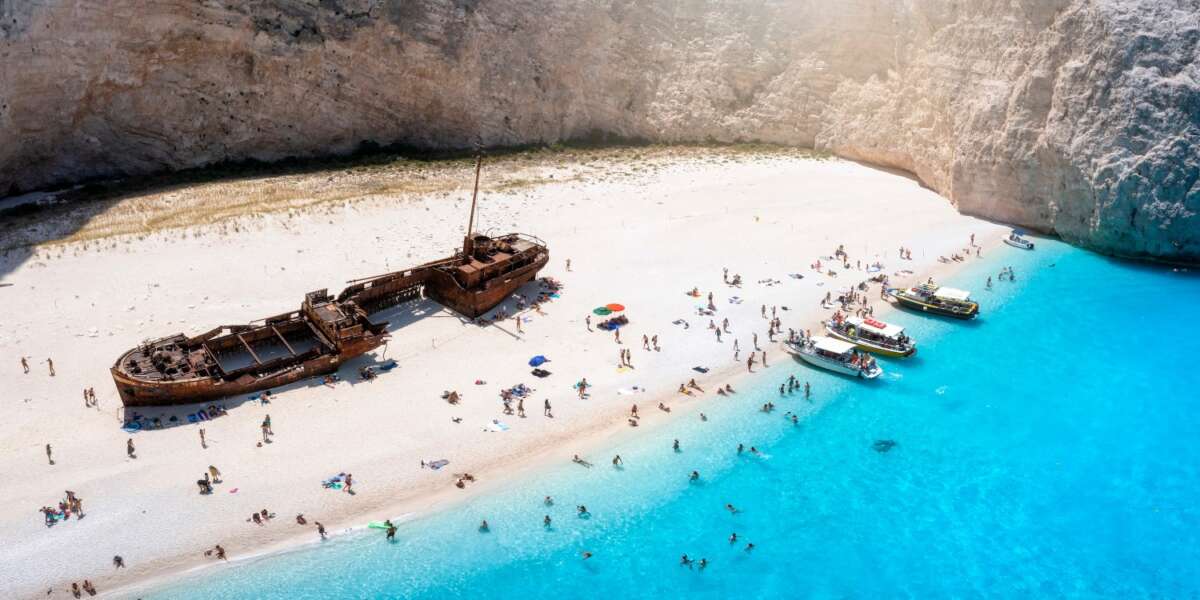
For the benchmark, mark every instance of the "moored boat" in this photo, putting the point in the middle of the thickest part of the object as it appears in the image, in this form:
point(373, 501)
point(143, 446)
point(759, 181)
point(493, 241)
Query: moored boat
point(931, 298)
point(872, 335)
point(1015, 240)
point(835, 355)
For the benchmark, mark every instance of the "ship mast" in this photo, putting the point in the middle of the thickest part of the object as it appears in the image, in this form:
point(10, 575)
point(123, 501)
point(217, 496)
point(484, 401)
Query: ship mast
point(469, 242)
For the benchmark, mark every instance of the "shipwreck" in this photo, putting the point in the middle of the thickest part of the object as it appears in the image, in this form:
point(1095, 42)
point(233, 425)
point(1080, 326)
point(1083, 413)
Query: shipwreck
point(327, 330)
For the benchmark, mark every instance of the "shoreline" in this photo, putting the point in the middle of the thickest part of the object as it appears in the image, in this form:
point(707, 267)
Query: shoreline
point(646, 264)
point(610, 433)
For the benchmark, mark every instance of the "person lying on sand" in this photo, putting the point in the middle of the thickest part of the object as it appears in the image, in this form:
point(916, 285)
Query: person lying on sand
point(580, 461)
point(692, 384)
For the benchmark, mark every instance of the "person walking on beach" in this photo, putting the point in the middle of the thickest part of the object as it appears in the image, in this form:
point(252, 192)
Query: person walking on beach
point(129, 450)
point(755, 342)
point(517, 318)
point(266, 430)
point(25, 365)
point(50, 361)
point(654, 342)
point(750, 363)
point(267, 424)
point(49, 454)
point(546, 409)
point(521, 407)
point(320, 529)
point(764, 358)
point(203, 442)
point(588, 321)
point(118, 562)
point(349, 483)
point(645, 342)
point(617, 335)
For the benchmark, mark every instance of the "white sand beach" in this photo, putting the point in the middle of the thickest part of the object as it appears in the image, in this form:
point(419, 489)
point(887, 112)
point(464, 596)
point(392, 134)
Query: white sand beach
point(642, 240)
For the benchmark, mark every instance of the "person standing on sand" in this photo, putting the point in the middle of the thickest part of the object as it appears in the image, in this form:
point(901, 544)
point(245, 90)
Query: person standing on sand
point(320, 529)
point(349, 483)
point(265, 431)
point(521, 407)
point(517, 318)
point(118, 562)
point(50, 361)
point(203, 442)
point(49, 454)
point(546, 408)
point(617, 335)
point(588, 320)
point(267, 424)
point(764, 358)
point(129, 450)
point(568, 264)
point(755, 341)
point(750, 363)
point(25, 365)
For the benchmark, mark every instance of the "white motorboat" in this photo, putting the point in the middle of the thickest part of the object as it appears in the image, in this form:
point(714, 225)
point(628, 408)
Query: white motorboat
point(1015, 240)
point(835, 355)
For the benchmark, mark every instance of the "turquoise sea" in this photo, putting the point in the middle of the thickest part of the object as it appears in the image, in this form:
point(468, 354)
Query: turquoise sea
point(1047, 450)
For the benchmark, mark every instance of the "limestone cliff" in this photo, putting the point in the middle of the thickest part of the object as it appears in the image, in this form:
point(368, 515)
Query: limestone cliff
point(1078, 117)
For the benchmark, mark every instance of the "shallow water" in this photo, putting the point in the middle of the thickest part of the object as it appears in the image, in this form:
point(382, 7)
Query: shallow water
point(1047, 449)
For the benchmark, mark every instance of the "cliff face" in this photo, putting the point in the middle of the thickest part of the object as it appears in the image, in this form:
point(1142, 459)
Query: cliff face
point(1080, 117)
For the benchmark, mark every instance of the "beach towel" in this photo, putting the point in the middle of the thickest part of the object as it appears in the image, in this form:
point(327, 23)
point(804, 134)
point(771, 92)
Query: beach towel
point(631, 390)
point(540, 373)
point(437, 464)
point(388, 366)
point(496, 426)
point(700, 369)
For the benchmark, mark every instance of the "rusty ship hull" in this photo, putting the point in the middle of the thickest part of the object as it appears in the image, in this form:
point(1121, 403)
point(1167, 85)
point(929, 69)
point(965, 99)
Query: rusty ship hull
point(327, 331)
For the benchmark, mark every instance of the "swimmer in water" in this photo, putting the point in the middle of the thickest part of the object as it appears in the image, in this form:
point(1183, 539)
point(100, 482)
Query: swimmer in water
point(483, 527)
point(675, 446)
point(749, 547)
point(684, 560)
point(733, 538)
point(732, 509)
point(586, 555)
point(703, 563)
point(583, 511)
point(546, 521)
point(548, 501)
point(695, 476)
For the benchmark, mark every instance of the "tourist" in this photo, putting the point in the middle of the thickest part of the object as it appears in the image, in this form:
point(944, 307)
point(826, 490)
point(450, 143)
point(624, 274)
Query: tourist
point(546, 409)
point(320, 529)
point(483, 527)
point(633, 411)
point(580, 461)
point(732, 509)
point(741, 447)
point(807, 391)
point(548, 501)
point(300, 520)
point(220, 552)
point(703, 563)
point(733, 538)
point(654, 343)
point(267, 422)
point(695, 476)
point(391, 532)
point(764, 358)
point(645, 342)
point(203, 442)
point(25, 365)
point(586, 555)
point(684, 560)
point(50, 362)
point(546, 521)
point(582, 510)
point(588, 321)
point(348, 483)
point(675, 446)
point(89, 588)
point(216, 474)
point(749, 547)
point(256, 518)
point(49, 454)
point(129, 450)
point(617, 462)
point(118, 562)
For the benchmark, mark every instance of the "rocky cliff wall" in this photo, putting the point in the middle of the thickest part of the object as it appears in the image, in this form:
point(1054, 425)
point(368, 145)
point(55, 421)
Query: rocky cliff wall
point(1078, 117)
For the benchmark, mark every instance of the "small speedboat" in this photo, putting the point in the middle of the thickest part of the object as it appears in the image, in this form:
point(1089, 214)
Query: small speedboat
point(1015, 240)
point(835, 355)
point(932, 298)
point(874, 336)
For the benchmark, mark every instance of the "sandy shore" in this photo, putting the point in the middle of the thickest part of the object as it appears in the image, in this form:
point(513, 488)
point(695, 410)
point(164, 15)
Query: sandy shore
point(641, 239)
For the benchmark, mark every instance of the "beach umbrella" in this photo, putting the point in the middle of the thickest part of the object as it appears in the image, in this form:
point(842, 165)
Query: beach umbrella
point(615, 307)
point(537, 361)
point(603, 310)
